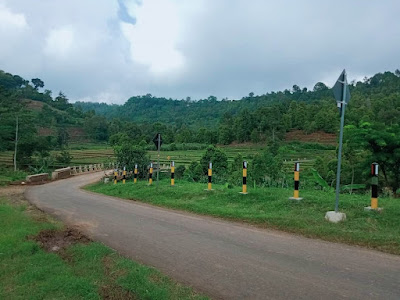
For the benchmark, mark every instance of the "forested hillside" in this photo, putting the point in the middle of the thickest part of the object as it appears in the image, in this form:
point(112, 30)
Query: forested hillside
point(257, 118)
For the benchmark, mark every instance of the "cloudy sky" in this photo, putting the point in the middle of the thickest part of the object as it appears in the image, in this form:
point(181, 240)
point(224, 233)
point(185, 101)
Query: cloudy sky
point(109, 50)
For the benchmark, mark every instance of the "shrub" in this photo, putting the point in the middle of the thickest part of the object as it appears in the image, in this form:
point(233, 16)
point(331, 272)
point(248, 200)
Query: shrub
point(194, 172)
point(266, 169)
point(179, 171)
point(64, 158)
point(128, 155)
point(236, 170)
point(218, 159)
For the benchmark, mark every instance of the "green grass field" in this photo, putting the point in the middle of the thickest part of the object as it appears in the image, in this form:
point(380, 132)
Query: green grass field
point(270, 208)
point(83, 271)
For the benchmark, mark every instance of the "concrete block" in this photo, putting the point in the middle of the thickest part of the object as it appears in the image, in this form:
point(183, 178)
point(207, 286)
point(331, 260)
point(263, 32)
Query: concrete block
point(369, 208)
point(61, 173)
point(335, 217)
point(37, 177)
point(295, 199)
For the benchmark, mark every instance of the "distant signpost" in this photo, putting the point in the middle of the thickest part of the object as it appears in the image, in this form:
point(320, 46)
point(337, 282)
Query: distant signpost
point(158, 142)
point(342, 94)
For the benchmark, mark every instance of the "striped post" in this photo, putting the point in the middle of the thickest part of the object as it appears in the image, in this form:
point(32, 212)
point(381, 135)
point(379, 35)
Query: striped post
point(244, 187)
point(172, 173)
point(209, 186)
point(374, 186)
point(135, 172)
point(151, 174)
point(124, 176)
point(296, 182)
point(115, 176)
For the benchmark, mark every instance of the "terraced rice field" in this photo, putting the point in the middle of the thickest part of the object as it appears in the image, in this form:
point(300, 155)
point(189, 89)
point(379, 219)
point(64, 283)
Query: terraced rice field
point(106, 154)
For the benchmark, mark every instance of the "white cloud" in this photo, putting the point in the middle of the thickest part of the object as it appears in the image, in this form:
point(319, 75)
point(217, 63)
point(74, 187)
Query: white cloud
point(155, 36)
point(10, 20)
point(59, 42)
point(197, 48)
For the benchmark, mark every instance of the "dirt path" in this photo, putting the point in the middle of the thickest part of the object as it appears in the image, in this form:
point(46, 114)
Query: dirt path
point(223, 259)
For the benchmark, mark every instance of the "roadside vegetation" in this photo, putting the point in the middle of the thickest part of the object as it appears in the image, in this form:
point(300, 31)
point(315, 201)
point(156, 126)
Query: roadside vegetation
point(40, 259)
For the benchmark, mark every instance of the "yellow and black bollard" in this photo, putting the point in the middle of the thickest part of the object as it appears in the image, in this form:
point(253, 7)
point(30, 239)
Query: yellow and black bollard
point(296, 182)
point(244, 187)
point(172, 173)
point(115, 176)
point(209, 186)
point(374, 188)
point(135, 173)
point(124, 176)
point(151, 174)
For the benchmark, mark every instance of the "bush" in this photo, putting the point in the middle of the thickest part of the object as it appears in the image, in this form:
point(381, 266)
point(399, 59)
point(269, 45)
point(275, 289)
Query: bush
point(218, 159)
point(64, 158)
point(118, 139)
point(182, 147)
point(266, 169)
point(194, 172)
point(128, 155)
point(236, 170)
point(179, 171)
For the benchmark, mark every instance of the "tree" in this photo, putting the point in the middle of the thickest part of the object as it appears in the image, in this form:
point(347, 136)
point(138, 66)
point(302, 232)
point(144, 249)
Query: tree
point(383, 143)
point(320, 86)
point(118, 139)
point(97, 128)
point(265, 168)
point(61, 102)
point(296, 89)
point(62, 137)
point(218, 159)
point(127, 155)
point(37, 83)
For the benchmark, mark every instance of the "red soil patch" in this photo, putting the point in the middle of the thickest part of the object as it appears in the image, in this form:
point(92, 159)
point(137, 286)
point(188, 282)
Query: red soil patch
point(33, 105)
point(77, 134)
point(43, 131)
point(315, 137)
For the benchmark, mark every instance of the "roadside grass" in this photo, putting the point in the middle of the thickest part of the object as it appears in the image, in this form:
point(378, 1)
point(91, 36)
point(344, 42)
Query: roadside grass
point(83, 271)
point(270, 208)
point(8, 175)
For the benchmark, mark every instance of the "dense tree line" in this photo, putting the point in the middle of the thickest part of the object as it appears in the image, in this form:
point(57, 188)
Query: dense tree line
point(257, 118)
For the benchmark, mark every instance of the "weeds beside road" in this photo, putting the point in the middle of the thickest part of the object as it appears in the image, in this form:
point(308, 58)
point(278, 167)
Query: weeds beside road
point(40, 259)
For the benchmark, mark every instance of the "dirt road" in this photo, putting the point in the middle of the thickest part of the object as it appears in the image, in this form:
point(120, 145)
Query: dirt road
point(222, 259)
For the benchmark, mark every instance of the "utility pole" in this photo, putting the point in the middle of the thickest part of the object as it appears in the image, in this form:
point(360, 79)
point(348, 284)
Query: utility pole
point(158, 155)
point(16, 144)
